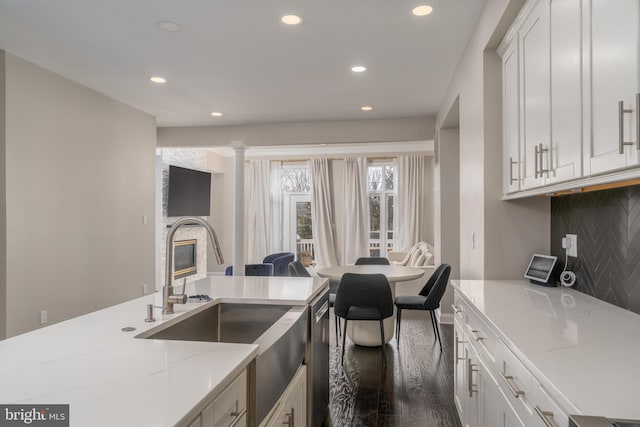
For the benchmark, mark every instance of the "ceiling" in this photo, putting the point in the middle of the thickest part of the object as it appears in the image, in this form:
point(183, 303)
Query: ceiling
point(238, 58)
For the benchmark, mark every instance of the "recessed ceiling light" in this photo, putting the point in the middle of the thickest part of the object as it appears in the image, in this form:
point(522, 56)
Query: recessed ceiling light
point(216, 114)
point(158, 79)
point(359, 69)
point(422, 10)
point(170, 26)
point(291, 19)
point(366, 108)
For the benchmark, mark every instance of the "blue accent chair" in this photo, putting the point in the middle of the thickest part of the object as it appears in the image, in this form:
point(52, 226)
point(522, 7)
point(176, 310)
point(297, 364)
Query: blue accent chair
point(264, 269)
point(280, 262)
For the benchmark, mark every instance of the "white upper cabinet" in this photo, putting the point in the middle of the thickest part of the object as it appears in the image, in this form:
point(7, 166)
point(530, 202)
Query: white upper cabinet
point(511, 122)
point(535, 118)
point(571, 104)
point(566, 91)
point(613, 76)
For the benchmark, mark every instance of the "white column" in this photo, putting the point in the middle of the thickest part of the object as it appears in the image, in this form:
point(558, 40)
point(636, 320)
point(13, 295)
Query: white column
point(238, 208)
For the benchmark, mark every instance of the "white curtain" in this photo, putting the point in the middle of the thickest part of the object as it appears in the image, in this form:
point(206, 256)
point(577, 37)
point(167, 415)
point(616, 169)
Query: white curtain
point(409, 201)
point(276, 243)
point(257, 210)
point(321, 214)
point(355, 224)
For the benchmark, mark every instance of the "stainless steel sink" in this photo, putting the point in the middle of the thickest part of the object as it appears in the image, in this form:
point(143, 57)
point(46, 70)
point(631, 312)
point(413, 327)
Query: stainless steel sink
point(237, 323)
point(280, 331)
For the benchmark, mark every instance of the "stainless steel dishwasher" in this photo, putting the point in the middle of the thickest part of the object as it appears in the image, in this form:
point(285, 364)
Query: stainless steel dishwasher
point(317, 361)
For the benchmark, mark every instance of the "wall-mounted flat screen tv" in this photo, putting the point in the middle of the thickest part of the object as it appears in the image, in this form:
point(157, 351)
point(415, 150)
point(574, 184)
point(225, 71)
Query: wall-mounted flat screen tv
point(189, 192)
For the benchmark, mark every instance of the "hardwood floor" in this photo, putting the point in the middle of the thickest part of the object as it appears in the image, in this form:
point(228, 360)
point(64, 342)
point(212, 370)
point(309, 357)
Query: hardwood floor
point(415, 389)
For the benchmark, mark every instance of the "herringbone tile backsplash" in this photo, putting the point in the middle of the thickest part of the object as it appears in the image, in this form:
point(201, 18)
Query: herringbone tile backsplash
point(607, 224)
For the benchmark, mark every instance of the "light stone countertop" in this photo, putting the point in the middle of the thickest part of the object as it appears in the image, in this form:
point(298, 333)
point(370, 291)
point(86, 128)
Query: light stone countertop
point(584, 351)
point(110, 378)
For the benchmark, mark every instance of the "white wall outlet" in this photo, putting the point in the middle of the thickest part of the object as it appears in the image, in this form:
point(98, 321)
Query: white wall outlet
point(144, 220)
point(145, 289)
point(43, 317)
point(572, 245)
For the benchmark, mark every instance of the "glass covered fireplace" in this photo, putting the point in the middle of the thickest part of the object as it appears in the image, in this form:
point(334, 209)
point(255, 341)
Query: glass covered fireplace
point(184, 255)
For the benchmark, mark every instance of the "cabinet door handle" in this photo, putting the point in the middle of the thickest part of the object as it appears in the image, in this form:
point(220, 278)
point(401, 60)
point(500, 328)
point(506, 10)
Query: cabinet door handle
point(237, 415)
point(638, 120)
point(508, 379)
point(511, 178)
point(290, 420)
point(621, 113)
point(540, 152)
point(547, 417)
point(471, 368)
point(455, 350)
point(456, 310)
point(535, 157)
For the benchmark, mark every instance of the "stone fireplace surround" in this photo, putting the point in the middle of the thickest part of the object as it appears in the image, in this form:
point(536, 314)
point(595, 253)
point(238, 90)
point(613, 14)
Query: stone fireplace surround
point(193, 158)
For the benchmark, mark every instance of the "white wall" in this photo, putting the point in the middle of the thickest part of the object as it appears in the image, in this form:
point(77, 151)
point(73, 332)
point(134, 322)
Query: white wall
point(495, 224)
point(447, 209)
point(410, 129)
point(222, 187)
point(3, 205)
point(79, 179)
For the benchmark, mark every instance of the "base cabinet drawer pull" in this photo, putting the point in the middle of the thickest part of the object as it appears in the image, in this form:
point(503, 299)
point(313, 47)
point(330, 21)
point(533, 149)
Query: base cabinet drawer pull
point(290, 421)
point(477, 336)
point(237, 415)
point(508, 379)
point(546, 416)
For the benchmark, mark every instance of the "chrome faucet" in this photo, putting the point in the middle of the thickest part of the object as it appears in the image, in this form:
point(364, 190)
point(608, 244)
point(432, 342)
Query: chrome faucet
point(168, 297)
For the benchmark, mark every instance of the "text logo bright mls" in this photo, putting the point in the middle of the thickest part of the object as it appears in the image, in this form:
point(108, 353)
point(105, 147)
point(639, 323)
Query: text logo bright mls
point(34, 415)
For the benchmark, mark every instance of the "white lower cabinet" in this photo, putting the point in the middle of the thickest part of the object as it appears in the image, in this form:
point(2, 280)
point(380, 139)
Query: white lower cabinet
point(509, 416)
point(492, 387)
point(228, 409)
point(459, 366)
point(291, 409)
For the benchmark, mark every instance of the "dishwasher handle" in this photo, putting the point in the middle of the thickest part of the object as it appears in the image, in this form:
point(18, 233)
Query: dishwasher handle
point(321, 311)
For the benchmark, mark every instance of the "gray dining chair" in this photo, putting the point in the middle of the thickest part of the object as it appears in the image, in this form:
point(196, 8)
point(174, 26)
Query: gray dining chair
point(372, 261)
point(428, 299)
point(364, 297)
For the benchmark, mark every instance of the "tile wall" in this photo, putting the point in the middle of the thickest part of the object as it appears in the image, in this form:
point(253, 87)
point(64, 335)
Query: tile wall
point(608, 227)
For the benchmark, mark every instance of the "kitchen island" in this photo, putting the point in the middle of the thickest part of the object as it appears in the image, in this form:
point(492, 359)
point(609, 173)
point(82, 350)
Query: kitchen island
point(111, 378)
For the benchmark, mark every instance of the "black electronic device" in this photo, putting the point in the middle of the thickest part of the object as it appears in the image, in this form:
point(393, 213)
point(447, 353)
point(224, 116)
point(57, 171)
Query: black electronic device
point(189, 192)
point(541, 270)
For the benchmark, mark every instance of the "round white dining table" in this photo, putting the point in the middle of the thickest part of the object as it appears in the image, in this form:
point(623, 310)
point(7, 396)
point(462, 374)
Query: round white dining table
point(367, 332)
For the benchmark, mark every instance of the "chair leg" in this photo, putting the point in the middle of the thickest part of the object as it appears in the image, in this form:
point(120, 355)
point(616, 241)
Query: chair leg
point(344, 336)
point(384, 356)
point(436, 327)
point(398, 318)
point(337, 324)
point(433, 325)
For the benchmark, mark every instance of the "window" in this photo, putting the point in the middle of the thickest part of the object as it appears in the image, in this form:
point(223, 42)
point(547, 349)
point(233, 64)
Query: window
point(295, 184)
point(381, 187)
